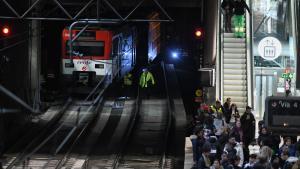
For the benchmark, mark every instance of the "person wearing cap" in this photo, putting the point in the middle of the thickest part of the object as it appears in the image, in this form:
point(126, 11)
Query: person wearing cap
point(146, 81)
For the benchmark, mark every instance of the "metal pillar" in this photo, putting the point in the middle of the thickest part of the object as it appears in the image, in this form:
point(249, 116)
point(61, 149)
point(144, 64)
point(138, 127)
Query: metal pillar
point(295, 29)
point(34, 49)
point(211, 27)
point(210, 47)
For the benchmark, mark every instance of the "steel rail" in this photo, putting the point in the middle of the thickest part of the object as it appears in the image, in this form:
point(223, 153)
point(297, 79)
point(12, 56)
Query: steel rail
point(162, 160)
point(69, 135)
point(61, 163)
point(99, 100)
point(22, 156)
point(96, 87)
point(169, 123)
point(133, 120)
point(75, 141)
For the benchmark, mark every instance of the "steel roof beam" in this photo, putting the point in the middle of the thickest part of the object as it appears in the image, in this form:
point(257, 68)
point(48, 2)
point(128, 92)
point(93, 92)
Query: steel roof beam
point(75, 18)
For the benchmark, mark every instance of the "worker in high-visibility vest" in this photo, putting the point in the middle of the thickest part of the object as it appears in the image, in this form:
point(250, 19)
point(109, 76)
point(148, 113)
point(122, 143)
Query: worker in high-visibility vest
point(146, 81)
point(239, 18)
point(127, 83)
point(128, 79)
point(217, 110)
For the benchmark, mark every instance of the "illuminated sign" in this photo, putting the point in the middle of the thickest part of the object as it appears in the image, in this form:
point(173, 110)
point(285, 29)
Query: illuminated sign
point(282, 114)
point(269, 48)
point(287, 75)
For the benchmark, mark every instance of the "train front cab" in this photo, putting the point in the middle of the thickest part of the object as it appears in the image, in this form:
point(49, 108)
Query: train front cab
point(91, 57)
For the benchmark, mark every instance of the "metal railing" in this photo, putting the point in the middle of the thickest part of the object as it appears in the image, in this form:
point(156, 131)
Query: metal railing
point(250, 60)
point(169, 122)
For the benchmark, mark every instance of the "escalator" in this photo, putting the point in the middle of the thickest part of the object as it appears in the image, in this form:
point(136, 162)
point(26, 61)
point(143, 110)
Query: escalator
point(235, 65)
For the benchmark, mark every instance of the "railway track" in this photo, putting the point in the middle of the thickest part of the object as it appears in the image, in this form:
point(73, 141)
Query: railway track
point(52, 146)
point(72, 123)
point(146, 146)
point(124, 134)
point(110, 140)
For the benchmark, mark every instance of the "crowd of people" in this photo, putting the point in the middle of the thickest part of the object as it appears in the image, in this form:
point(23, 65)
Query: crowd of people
point(222, 137)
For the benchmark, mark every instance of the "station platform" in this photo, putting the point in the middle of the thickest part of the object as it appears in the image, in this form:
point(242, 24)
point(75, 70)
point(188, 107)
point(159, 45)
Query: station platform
point(188, 157)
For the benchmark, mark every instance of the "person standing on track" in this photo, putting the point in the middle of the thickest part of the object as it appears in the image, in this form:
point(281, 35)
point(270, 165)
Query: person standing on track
point(146, 82)
point(127, 84)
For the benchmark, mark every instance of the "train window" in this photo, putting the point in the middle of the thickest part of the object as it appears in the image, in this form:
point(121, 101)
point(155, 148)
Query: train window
point(99, 66)
point(86, 48)
point(115, 47)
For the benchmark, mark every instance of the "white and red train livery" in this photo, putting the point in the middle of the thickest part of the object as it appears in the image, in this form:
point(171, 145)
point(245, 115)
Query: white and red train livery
point(97, 53)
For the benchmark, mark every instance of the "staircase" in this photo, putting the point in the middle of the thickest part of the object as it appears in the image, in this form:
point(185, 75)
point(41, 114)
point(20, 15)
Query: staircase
point(234, 70)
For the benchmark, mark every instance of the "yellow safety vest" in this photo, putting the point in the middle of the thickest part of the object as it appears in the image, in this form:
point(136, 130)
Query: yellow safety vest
point(128, 79)
point(215, 111)
point(145, 78)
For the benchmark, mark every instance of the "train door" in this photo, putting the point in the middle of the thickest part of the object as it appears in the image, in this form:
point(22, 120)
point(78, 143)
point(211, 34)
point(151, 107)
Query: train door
point(116, 47)
point(264, 88)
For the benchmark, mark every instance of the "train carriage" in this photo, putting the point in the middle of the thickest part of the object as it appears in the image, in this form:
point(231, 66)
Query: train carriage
point(97, 53)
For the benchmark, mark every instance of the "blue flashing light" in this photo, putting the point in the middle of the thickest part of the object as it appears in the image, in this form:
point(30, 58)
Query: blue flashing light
point(175, 54)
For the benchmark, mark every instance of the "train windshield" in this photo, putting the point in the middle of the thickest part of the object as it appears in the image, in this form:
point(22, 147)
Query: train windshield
point(86, 48)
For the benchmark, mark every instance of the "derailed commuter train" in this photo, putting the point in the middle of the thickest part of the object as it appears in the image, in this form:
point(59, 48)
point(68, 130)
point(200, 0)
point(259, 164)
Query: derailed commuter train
point(97, 53)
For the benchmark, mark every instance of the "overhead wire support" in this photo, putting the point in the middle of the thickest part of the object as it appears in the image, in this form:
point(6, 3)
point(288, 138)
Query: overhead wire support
point(114, 9)
point(138, 5)
point(163, 10)
point(84, 8)
point(11, 8)
point(63, 9)
point(30, 8)
point(76, 15)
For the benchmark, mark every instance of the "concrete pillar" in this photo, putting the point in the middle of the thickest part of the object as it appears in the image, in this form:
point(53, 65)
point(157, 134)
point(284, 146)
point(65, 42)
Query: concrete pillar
point(34, 60)
point(210, 47)
point(211, 26)
point(295, 29)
